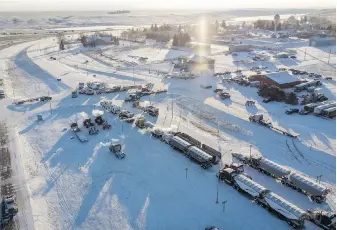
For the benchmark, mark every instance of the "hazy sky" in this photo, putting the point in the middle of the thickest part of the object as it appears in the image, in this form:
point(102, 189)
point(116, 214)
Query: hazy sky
point(55, 5)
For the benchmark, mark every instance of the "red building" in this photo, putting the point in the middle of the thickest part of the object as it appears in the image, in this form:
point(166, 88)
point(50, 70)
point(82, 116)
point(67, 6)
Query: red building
point(280, 79)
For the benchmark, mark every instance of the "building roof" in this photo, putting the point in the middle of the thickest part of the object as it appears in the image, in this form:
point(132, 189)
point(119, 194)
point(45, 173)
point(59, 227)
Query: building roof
point(200, 59)
point(282, 77)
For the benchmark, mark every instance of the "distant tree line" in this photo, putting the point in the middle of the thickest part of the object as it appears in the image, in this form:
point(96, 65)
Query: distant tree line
point(267, 25)
point(181, 39)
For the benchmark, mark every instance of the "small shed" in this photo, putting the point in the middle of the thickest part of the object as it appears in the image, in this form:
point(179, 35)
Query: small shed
point(279, 79)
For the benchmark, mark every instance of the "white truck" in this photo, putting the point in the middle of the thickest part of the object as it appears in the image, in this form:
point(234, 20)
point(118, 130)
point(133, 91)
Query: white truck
point(109, 106)
point(318, 110)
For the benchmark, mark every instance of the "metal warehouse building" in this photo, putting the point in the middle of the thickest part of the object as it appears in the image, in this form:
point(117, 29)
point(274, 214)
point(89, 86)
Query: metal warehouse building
point(279, 79)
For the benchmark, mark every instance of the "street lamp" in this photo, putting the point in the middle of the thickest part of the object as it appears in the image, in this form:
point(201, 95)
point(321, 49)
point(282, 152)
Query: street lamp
point(224, 205)
point(250, 151)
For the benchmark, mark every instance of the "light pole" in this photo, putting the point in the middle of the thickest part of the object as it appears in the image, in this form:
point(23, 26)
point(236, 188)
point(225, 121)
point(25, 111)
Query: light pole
point(217, 186)
point(250, 151)
point(319, 178)
point(224, 205)
point(172, 104)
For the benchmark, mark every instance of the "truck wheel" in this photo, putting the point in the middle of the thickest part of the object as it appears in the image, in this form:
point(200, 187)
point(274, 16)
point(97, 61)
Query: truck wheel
point(317, 200)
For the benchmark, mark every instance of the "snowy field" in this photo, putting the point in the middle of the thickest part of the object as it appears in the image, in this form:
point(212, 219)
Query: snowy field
point(72, 185)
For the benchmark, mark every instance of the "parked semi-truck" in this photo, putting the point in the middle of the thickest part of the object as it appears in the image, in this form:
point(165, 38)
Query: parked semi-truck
point(319, 109)
point(287, 211)
point(303, 184)
point(317, 192)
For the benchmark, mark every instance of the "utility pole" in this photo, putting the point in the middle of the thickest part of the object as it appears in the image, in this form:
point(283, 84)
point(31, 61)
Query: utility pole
point(250, 151)
point(329, 56)
point(319, 178)
point(217, 187)
point(237, 65)
point(51, 111)
point(172, 104)
point(133, 74)
point(179, 121)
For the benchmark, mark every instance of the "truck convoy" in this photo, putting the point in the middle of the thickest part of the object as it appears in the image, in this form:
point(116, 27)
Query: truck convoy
point(287, 211)
point(325, 109)
point(269, 200)
point(192, 152)
point(305, 185)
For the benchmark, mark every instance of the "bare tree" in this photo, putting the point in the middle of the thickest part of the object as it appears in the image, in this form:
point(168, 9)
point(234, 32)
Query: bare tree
point(60, 40)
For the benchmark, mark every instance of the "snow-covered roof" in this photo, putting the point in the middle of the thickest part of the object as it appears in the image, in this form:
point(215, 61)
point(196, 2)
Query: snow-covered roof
point(198, 58)
point(286, 205)
point(282, 77)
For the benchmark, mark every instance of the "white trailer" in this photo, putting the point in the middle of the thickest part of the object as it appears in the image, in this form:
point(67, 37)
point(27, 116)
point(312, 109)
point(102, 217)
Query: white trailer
point(319, 109)
point(249, 186)
point(179, 144)
point(306, 85)
point(330, 112)
point(291, 213)
point(317, 192)
point(109, 106)
point(274, 169)
point(199, 156)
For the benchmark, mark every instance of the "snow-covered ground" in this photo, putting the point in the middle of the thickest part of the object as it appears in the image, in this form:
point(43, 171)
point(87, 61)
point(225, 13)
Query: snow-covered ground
point(72, 185)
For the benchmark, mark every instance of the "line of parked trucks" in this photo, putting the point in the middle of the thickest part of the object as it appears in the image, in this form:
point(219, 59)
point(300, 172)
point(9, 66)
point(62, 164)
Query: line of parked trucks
point(206, 156)
point(316, 192)
point(234, 175)
point(325, 109)
point(272, 202)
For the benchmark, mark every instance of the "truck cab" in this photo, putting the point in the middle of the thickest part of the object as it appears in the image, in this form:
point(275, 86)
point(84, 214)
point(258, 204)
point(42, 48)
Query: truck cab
point(227, 175)
point(10, 205)
point(153, 111)
point(132, 97)
point(74, 94)
point(116, 148)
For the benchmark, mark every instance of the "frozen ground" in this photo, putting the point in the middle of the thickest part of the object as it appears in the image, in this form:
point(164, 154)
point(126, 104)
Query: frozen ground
point(83, 186)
